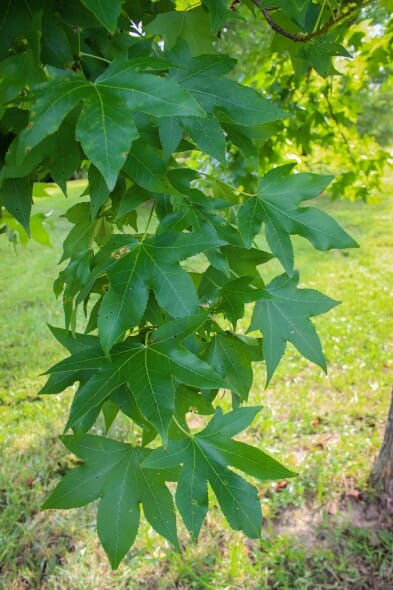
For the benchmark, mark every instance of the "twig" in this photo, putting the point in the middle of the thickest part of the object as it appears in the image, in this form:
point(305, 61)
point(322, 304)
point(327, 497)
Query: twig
point(304, 37)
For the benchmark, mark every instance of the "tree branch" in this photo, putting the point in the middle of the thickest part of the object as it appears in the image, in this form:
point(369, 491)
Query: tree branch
point(304, 37)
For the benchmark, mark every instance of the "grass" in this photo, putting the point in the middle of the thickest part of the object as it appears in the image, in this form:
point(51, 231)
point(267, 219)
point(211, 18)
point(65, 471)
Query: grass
point(322, 531)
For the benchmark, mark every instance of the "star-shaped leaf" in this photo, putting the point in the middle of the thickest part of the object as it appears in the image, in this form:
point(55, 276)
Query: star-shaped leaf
point(105, 127)
point(205, 458)
point(114, 472)
point(276, 204)
point(283, 316)
point(202, 77)
point(152, 264)
point(151, 371)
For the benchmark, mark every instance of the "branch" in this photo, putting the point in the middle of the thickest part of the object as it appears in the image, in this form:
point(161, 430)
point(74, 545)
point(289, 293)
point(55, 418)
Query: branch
point(304, 37)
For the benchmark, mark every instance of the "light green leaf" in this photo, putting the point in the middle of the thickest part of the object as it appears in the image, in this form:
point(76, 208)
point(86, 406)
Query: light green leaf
point(191, 25)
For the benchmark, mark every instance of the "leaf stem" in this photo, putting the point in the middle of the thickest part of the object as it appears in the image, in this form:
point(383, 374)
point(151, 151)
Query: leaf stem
point(180, 427)
point(149, 221)
point(83, 54)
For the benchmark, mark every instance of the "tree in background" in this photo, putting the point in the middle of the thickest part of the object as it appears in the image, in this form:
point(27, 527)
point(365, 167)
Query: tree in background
point(167, 250)
point(340, 109)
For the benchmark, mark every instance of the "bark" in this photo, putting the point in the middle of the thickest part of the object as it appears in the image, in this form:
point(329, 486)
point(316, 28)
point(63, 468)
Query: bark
point(382, 474)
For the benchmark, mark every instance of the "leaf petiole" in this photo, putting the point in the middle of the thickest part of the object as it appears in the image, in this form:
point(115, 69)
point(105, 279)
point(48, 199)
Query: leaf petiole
point(180, 427)
point(83, 54)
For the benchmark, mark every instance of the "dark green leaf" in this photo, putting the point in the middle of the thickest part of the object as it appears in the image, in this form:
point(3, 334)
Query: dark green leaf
point(114, 472)
point(16, 196)
point(208, 135)
point(284, 316)
point(150, 372)
point(279, 194)
point(151, 265)
point(98, 190)
point(205, 457)
point(105, 11)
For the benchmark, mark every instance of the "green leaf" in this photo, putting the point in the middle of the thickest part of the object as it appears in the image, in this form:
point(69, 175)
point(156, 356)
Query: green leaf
point(16, 196)
point(191, 25)
point(279, 194)
point(227, 294)
point(219, 13)
point(146, 168)
point(147, 93)
point(115, 473)
point(106, 12)
point(204, 458)
point(284, 317)
point(153, 264)
point(105, 133)
point(134, 197)
point(98, 191)
point(150, 371)
point(229, 356)
point(208, 135)
point(17, 72)
point(244, 261)
point(105, 127)
point(171, 133)
point(202, 77)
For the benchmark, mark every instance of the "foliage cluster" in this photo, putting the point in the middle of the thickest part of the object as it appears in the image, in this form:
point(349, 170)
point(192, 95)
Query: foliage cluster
point(164, 258)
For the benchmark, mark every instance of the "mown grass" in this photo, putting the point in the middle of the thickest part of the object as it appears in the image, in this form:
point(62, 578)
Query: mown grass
point(322, 529)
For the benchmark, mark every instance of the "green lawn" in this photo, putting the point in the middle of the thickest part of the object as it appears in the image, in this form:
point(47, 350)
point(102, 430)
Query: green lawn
point(322, 529)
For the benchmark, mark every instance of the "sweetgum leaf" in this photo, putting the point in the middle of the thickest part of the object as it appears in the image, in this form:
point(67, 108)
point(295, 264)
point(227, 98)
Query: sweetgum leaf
point(106, 11)
point(171, 133)
point(150, 371)
point(115, 473)
point(205, 458)
point(218, 12)
point(208, 135)
point(106, 127)
point(230, 357)
point(190, 25)
point(284, 317)
point(153, 264)
point(279, 194)
point(16, 196)
point(203, 78)
point(98, 190)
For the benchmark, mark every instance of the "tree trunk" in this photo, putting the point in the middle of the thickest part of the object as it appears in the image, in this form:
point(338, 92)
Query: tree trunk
point(382, 474)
